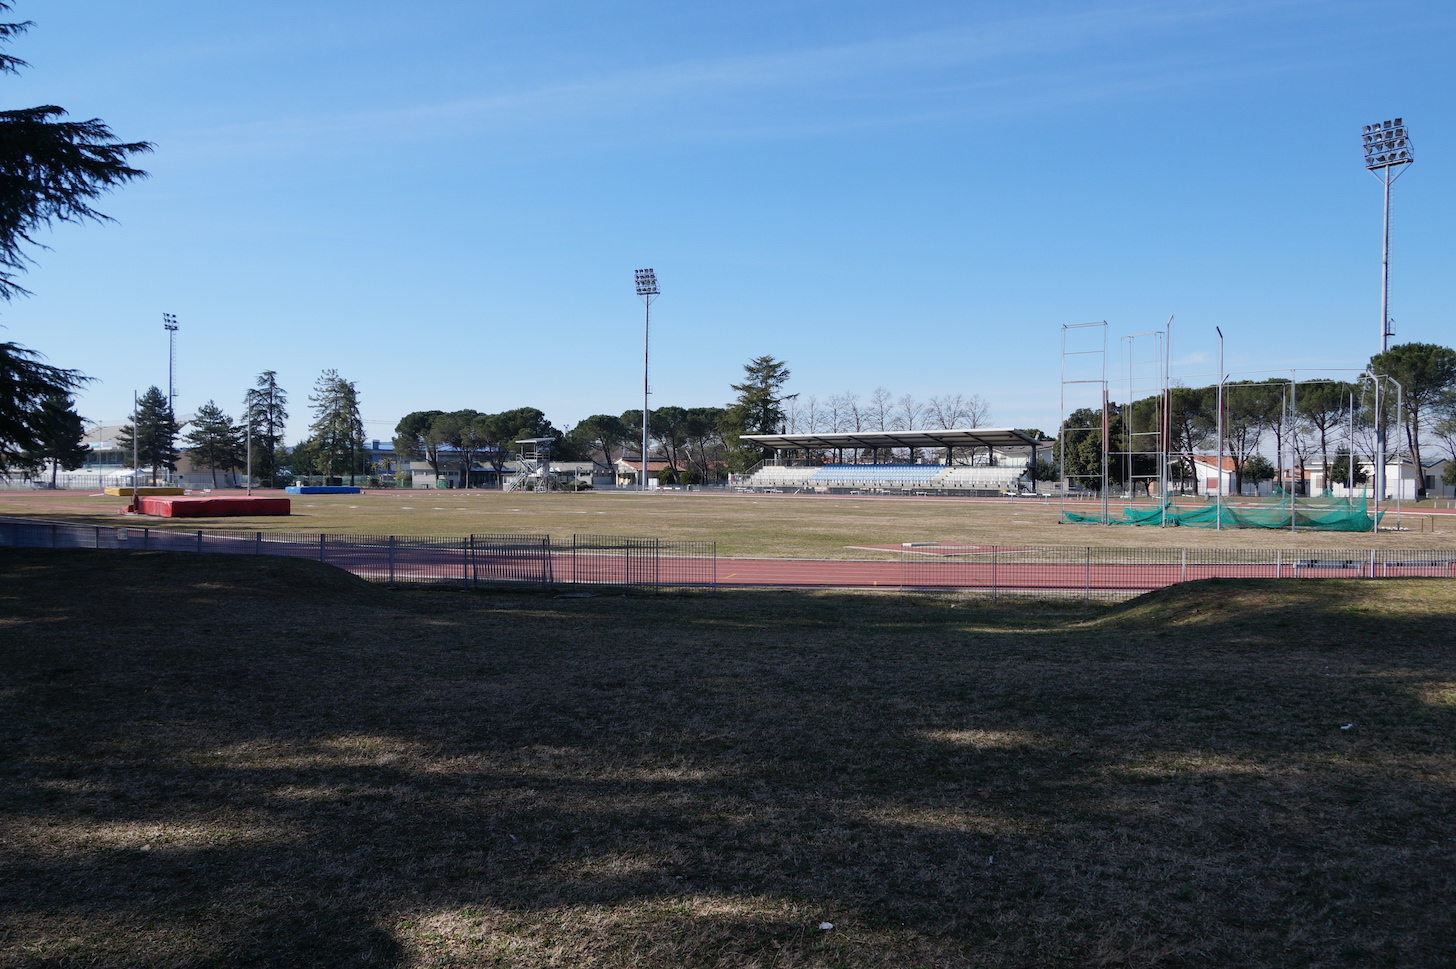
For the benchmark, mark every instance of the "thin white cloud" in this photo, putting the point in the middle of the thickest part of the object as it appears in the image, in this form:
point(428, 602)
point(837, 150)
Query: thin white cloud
point(856, 79)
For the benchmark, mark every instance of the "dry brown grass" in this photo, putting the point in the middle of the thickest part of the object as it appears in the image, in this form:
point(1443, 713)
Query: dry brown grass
point(742, 525)
point(220, 761)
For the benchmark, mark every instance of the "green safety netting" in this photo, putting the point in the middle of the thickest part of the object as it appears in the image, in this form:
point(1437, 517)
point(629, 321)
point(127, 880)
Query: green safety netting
point(1325, 513)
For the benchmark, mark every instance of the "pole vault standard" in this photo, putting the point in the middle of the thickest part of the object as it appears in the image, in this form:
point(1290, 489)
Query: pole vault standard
point(647, 289)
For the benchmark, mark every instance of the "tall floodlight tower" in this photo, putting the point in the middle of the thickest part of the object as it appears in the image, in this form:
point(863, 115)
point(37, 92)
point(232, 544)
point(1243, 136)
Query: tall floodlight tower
point(647, 289)
point(169, 323)
point(1387, 153)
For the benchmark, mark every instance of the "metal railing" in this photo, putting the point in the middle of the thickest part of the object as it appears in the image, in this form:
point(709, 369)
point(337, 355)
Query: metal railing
point(477, 561)
point(474, 561)
point(1112, 574)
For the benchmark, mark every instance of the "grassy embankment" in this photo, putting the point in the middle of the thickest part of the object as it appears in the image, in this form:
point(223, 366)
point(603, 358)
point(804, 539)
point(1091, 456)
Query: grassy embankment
point(742, 525)
point(228, 762)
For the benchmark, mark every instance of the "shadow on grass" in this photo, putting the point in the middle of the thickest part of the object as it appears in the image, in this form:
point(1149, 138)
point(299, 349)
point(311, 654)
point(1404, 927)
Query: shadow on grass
point(220, 761)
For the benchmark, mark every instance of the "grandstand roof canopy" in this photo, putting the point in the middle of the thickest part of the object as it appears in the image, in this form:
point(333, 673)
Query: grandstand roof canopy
point(1001, 438)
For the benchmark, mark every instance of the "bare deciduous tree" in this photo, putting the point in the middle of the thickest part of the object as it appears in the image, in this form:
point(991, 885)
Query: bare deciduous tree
point(879, 409)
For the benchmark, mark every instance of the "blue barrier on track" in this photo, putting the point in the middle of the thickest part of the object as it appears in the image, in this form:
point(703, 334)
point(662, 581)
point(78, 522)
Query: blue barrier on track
point(322, 490)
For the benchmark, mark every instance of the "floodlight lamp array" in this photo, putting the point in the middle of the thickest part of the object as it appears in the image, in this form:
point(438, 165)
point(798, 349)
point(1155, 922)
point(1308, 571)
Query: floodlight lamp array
point(169, 321)
point(1387, 143)
point(646, 282)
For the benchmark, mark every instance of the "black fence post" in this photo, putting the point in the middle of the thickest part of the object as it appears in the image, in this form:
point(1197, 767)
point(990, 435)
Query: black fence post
point(199, 540)
point(1087, 594)
point(146, 539)
point(258, 544)
point(994, 564)
point(98, 536)
point(464, 563)
point(323, 556)
point(391, 561)
point(54, 527)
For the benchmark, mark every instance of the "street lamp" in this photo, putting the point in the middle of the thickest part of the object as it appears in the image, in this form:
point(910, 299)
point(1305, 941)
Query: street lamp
point(647, 289)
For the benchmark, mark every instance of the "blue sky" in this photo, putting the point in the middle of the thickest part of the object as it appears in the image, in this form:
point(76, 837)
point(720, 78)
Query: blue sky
point(445, 200)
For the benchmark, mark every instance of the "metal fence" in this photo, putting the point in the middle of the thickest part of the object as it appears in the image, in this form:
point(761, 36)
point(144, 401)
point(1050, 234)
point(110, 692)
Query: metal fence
point(1111, 574)
point(474, 561)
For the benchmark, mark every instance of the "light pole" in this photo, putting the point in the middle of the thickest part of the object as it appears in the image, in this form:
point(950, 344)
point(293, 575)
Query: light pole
point(647, 289)
point(1218, 472)
point(1387, 153)
point(169, 323)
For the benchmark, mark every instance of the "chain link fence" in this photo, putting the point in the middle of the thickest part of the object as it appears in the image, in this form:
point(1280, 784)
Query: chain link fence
point(475, 561)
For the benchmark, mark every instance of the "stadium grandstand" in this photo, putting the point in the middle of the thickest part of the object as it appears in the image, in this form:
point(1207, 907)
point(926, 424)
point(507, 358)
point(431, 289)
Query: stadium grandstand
point(977, 461)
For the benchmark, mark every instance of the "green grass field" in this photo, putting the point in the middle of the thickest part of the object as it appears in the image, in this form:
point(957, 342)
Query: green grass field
point(222, 761)
point(744, 525)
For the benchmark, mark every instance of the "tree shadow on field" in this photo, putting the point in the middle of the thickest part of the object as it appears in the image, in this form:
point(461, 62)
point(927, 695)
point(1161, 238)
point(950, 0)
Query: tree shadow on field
point(246, 763)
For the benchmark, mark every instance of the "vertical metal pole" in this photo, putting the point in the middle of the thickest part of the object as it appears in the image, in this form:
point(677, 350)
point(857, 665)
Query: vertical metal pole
point(1385, 269)
point(1218, 471)
point(1106, 425)
point(1293, 427)
point(1379, 453)
point(199, 540)
point(322, 555)
point(136, 432)
point(1350, 464)
point(258, 544)
point(1087, 589)
point(646, 359)
point(250, 457)
point(994, 576)
point(1165, 426)
point(1400, 472)
point(1183, 567)
point(391, 561)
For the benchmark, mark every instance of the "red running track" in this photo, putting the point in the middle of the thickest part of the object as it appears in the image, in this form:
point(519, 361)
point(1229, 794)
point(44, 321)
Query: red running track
point(984, 575)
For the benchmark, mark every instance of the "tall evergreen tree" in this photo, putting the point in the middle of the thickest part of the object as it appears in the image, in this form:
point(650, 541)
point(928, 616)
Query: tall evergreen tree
point(50, 170)
point(337, 428)
point(266, 411)
point(59, 435)
point(759, 408)
point(154, 434)
point(25, 385)
point(215, 441)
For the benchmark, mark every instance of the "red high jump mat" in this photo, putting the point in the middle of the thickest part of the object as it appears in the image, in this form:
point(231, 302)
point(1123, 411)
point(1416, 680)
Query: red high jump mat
point(212, 507)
